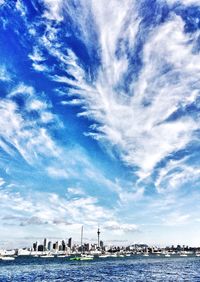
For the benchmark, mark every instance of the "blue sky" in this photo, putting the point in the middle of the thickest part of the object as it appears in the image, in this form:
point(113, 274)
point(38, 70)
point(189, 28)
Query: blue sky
point(99, 120)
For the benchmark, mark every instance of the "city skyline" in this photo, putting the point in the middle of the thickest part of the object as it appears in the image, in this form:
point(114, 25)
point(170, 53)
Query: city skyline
point(99, 120)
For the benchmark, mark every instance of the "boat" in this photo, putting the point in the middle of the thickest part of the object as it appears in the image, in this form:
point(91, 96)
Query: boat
point(104, 256)
point(183, 255)
point(86, 255)
point(47, 256)
point(7, 258)
point(146, 253)
point(82, 258)
point(197, 255)
point(75, 258)
point(167, 255)
point(112, 255)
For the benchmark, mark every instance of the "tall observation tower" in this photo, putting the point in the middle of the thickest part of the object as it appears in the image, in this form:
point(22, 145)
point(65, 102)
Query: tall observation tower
point(98, 234)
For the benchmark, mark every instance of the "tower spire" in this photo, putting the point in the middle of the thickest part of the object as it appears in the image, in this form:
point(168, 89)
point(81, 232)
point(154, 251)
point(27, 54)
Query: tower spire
point(98, 234)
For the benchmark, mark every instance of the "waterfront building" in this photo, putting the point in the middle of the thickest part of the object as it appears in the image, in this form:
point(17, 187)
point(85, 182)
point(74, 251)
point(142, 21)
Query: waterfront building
point(101, 245)
point(35, 246)
point(57, 246)
point(49, 247)
point(87, 247)
point(69, 244)
point(63, 246)
point(45, 244)
point(40, 248)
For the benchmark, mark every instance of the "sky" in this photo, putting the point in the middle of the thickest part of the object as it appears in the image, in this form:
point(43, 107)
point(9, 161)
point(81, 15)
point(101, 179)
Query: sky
point(100, 121)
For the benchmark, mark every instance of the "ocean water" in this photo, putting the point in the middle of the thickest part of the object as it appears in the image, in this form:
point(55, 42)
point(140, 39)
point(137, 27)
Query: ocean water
point(116, 269)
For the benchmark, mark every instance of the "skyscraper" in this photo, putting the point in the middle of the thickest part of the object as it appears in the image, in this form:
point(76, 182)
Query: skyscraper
point(49, 246)
point(70, 243)
point(45, 244)
point(35, 246)
point(101, 245)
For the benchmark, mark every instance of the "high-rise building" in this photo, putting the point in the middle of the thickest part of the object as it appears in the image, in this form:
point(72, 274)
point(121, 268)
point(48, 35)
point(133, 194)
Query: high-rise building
point(63, 245)
point(40, 248)
point(35, 246)
point(57, 246)
point(45, 244)
point(69, 244)
point(101, 244)
point(87, 247)
point(49, 246)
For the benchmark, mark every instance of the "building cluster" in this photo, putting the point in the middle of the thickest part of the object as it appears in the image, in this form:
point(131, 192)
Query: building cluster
point(66, 246)
point(143, 248)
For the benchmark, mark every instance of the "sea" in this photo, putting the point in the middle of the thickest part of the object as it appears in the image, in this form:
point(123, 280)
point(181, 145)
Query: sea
point(133, 268)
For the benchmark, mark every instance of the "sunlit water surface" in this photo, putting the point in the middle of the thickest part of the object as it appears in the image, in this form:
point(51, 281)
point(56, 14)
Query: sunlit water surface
point(116, 269)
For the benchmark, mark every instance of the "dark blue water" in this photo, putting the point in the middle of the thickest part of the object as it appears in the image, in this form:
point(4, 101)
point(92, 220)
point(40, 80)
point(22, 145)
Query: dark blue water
point(116, 269)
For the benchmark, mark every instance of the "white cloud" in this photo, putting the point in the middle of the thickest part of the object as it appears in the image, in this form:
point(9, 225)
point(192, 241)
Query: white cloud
point(2, 181)
point(40, 67)
point(53, 9)
point(50, 208)
point(34, 104)
point(50, 213)
point(4, 75)
point(135, 122)
point(22, 89)
point(75, 191)
point(175, 175)
point(56, 172)
point(143, 136)
point(133, 196)
point(36, 56)
point(176, 218)
point(184, 2)
point(116, 226)
point(20, 134)
point(21, 8)
point(47, 117)
point(167, 81)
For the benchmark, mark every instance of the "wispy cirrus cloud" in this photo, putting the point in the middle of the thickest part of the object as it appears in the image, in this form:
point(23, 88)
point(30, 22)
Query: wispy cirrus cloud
point(21, 8)
point(184, 2)
point(4, 74)
point(176, 174)
point(149, 99)
point(166, 84)
point(26, 132)
point(53, 10)
point(19, 134)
